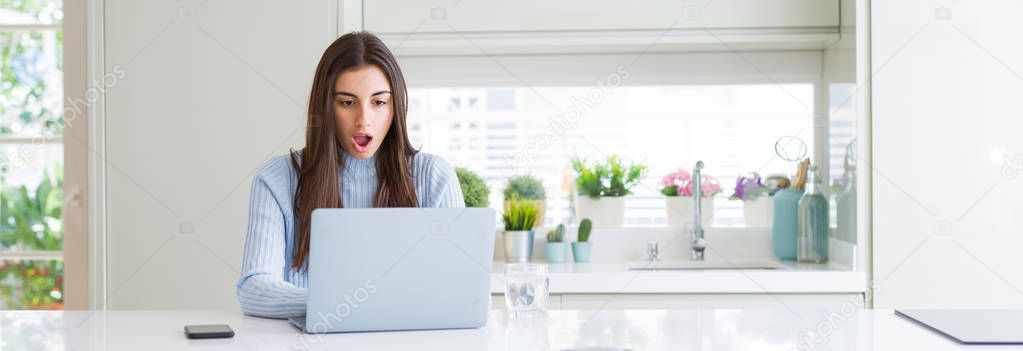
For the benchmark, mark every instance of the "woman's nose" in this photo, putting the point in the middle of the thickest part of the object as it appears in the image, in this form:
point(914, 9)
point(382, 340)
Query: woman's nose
point(362, 118)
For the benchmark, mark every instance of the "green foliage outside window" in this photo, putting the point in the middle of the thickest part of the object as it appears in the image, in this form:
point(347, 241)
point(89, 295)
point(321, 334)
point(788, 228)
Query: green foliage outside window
point(31, 82)
point(31, 90)
point(30, 221)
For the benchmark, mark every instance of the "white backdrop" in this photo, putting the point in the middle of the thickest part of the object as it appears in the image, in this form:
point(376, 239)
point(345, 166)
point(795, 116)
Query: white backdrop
point(946, 118)
point(208, 94)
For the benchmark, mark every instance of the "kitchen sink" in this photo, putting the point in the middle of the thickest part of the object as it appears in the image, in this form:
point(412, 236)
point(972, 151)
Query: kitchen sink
point(702, 265)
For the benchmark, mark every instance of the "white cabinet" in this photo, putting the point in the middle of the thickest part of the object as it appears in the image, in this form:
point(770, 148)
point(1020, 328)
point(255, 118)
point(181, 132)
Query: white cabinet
point(402, 16)
point(482, 27)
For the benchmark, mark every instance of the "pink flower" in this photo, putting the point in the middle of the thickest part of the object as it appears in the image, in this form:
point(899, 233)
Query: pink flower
point(709, 186)
point(676, 178)
point(673, 183)
point(680, 183)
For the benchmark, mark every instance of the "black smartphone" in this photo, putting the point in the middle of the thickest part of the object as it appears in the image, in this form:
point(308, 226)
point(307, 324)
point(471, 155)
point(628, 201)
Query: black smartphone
point(208, 331)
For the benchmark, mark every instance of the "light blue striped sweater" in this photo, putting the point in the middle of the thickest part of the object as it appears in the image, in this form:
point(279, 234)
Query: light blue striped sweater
point(268, 286)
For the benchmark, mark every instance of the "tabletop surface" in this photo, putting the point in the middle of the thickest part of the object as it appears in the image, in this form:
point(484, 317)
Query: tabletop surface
point(838, 328)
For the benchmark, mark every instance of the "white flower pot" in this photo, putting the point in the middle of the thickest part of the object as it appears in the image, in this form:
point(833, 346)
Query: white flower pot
point(679, 210)
point(605, 212)
point(758, 213)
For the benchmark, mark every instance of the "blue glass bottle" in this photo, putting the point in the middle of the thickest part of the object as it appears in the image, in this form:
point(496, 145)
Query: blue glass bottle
point(783, 229)
point(812, 224)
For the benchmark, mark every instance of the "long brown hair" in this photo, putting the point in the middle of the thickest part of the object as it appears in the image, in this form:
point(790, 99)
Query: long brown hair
point(322, 161)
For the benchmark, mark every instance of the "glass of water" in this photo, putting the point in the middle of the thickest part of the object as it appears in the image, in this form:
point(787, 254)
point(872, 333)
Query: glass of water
point(526, 289)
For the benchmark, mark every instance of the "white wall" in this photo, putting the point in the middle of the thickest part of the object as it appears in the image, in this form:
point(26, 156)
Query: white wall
point(946, 111)
point(207, 94)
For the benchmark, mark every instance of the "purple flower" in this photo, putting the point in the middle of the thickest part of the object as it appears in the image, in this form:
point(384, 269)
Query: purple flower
point(740, 188)
point(748, 187)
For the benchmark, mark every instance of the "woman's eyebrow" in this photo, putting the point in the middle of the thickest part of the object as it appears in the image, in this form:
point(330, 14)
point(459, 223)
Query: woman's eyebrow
point(353, 95)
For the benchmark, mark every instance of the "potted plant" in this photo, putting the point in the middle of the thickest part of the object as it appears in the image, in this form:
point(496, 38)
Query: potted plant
point(474, 189)
point(527, 188)
point(602, 188)
point(581, 248)
point(519, 218)
point(677, 187)
point(556, 247)
point(757, 205)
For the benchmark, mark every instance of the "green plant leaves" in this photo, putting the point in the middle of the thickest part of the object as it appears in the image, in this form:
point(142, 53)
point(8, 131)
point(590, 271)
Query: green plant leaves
point(519, 215)
point(611, 178)
point(525, 187)
point(30, 221)
point(474, 189)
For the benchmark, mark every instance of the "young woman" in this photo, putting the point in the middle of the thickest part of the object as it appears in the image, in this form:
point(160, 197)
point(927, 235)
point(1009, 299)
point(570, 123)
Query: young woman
point(357, 154)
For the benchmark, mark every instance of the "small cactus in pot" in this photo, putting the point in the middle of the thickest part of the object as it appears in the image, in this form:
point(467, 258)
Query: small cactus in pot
point(556, 246)
point(581, 248)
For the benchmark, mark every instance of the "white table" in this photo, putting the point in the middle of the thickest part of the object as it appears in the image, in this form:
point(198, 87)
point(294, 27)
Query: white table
point(842, 328)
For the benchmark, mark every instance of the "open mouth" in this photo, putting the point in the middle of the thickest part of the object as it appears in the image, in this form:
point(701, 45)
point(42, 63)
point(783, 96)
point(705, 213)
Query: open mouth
point(361, 142)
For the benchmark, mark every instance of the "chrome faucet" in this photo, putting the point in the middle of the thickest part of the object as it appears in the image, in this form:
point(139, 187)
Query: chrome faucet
point(698, 242)
point(653, 253)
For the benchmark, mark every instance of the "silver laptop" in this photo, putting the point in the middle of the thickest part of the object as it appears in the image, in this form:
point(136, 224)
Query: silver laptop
point(386, 269)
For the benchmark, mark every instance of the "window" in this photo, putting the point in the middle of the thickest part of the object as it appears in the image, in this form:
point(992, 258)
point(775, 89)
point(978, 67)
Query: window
point(31, 154)
point(497, 132)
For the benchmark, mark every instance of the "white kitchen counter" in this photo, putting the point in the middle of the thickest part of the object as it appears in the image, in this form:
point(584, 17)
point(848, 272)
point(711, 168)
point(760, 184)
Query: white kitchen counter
point(759, 329)
point(616, 278)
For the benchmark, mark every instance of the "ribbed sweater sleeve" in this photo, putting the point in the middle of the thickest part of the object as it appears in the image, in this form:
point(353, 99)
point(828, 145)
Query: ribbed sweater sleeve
point(445, 192)
point(262, 290)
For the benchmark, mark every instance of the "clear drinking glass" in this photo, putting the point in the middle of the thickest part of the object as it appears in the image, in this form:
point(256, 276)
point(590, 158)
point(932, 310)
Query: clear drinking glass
point(526, 289)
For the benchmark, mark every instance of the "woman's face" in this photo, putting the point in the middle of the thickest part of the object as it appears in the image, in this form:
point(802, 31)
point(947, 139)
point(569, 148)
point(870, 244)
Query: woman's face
point(362, 110)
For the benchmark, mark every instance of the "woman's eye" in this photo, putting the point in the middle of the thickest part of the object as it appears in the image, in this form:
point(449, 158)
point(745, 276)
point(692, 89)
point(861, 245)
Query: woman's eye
point(347, 102)
point(380, 102)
